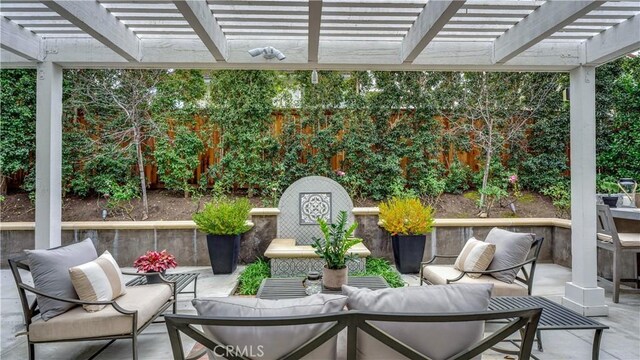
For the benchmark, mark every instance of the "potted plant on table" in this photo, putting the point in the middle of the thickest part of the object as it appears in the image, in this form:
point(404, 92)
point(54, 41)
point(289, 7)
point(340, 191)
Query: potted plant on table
point(224, 221)
point(334, 249)
point(608, 189)
point(408, 221)
point(155, 262)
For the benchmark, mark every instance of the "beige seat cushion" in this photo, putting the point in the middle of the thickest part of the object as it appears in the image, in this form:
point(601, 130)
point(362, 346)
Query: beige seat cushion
point(626, 239)
point(287, 248)
point(78, 323)
point(438, 275)
point(629, 239)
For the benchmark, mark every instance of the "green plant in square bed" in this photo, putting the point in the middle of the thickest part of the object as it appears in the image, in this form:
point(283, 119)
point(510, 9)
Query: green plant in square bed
point(254, 273)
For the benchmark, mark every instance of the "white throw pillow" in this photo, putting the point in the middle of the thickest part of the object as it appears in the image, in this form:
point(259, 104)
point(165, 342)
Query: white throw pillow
point(435, 340)
point(269, 342)
point(475, 256)
point(98, 280)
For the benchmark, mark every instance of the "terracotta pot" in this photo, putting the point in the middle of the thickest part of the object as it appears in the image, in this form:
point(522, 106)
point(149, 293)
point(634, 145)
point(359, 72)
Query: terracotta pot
point(334, 279)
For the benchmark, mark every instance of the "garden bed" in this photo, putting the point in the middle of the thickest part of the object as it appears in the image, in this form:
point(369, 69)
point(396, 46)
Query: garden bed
point(164, 205)
point(255, 273)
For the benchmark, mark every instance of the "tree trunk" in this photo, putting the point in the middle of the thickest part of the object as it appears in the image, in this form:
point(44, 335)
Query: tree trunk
point(143, 183)
point(3, 184)
point(487, 167)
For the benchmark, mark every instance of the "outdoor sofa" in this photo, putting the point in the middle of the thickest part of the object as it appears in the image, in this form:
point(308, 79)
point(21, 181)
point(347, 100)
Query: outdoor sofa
point(434, 322)
point(511, 271)
point(65, 318)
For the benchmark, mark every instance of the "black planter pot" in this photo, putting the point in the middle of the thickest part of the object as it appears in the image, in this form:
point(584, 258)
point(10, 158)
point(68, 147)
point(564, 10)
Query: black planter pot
point(155, 278)
point(407, 252)
point(612, 201)
point(223, 252)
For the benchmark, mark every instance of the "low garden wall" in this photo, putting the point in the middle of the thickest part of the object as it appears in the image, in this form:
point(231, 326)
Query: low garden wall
point(127, 240)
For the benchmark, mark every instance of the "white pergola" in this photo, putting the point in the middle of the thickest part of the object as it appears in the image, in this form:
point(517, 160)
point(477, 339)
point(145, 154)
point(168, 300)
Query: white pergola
point(473, 35)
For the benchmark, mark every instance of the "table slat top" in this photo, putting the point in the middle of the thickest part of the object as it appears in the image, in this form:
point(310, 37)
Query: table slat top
point(554, 316)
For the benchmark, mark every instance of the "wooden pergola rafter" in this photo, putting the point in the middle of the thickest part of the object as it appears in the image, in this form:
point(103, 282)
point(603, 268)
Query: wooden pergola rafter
point(448, 35)
point(488, 35)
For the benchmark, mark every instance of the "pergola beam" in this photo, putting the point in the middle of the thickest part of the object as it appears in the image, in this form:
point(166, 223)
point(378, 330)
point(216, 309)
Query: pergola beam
point(431, 20)
point(205, 25)
point(619, 40)
point(541, 23)
point(98, 22)
point(315, 20)
point(19, 40)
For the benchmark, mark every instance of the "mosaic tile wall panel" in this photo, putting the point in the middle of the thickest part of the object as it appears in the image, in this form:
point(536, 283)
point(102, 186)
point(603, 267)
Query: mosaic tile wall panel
point(301, 266)
point(290, 217)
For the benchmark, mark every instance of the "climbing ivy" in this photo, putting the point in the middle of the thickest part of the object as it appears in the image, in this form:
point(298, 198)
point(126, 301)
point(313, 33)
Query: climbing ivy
point(17, 123)
point(390, 131)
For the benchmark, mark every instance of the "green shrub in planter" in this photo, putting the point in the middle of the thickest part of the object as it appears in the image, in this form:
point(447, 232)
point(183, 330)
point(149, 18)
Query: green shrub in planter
point(224, 220)
point(224, 217)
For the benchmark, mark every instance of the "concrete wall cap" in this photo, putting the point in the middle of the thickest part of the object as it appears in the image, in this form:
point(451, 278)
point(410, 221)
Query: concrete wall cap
point(365, 211)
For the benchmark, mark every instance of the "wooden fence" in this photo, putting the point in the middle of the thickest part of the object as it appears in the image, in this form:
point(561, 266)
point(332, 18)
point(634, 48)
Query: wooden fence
point(210, 155)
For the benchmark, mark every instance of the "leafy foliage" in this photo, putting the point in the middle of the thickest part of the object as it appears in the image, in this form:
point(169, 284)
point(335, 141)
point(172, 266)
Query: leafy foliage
point(338, 239)
point(387, 130)
point(406, 216)
point(492, 195)
point(224, 216)
point(560, 195)
point(17, 122)
point(242, 103)
point(252, 276)
point(178, 157)
point(154, 261)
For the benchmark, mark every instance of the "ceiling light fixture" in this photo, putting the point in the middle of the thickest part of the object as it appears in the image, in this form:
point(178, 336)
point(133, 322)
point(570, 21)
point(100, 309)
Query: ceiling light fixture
point(268, 52)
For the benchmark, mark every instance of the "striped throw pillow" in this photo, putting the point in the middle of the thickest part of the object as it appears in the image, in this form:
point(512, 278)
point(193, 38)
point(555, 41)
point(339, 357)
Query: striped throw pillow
point(98, 280)
point(475, 256)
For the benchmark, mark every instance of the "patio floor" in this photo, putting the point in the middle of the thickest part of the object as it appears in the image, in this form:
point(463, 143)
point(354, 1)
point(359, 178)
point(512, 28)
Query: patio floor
point(622, 341)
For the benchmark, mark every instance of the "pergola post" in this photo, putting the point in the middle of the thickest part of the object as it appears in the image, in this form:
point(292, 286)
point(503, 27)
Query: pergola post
point(582, 294)
point(48, 155)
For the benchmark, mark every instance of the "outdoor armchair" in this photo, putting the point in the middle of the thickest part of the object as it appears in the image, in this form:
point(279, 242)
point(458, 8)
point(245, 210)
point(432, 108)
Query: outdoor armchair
point(447, 274)
point(123, 318)
point(609, 239)
point(524, 321)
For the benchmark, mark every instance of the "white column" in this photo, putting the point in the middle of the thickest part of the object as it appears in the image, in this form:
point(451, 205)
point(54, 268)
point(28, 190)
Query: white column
point(582, 294)
point(48, 155)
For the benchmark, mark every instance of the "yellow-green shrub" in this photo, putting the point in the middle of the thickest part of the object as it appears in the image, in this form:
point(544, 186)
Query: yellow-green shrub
point(406, 216)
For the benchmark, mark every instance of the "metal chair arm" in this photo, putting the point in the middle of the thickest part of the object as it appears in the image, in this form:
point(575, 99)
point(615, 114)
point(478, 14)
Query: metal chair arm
point(487, 272)
point(77, 301)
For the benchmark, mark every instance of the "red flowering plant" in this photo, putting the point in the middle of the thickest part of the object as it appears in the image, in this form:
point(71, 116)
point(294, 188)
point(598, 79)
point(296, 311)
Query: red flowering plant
point(154, 261)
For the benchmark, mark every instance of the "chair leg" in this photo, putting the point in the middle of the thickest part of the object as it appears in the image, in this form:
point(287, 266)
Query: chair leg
point(538, 335)
point(134, 347)
point(32, 351)
point(616, 276)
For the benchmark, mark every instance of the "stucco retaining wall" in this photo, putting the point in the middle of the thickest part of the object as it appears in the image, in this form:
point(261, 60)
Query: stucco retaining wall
point(128, 240)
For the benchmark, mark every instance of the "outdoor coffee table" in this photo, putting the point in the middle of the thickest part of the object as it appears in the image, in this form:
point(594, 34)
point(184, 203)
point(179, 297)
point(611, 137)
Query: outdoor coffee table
point(181, 281)
point(554, 317)
point(290, 288)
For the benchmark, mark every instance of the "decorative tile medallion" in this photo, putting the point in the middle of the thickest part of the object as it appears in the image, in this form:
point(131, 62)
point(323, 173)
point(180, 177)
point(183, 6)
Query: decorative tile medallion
point(314, 206)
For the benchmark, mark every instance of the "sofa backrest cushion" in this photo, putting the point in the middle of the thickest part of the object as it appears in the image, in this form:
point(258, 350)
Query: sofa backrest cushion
point(511, 249)
point(50, 272)
point(269, 342)
point(98, 280)
point(435, 340)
